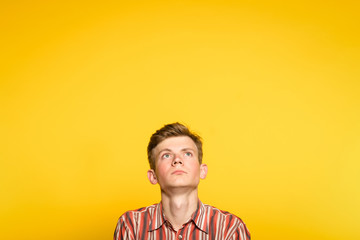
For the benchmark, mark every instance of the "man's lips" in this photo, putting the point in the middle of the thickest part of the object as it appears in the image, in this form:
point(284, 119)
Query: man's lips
point(177, 172)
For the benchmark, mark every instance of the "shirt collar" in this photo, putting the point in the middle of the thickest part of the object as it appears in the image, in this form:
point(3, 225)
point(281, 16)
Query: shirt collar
point(199, 217)
point(157, 218)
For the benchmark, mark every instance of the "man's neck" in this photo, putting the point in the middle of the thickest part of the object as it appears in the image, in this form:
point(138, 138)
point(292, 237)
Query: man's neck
point(179, 207)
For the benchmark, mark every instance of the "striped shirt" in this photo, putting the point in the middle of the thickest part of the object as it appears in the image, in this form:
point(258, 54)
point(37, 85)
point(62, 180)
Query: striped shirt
point(207, 222)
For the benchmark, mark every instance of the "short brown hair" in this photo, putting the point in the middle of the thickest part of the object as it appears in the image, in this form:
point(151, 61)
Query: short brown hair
point(172, 130)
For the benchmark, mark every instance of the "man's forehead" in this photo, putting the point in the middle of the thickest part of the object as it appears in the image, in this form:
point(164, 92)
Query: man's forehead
point(178, 142)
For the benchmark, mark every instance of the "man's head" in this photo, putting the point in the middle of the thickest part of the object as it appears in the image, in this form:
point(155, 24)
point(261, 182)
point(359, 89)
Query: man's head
point(168, 131)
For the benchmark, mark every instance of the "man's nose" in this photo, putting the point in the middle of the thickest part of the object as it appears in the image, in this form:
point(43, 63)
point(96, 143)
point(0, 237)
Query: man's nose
point(177, 160)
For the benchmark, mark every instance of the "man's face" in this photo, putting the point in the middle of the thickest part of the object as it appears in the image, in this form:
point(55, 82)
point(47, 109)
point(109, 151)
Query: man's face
point(177, 164)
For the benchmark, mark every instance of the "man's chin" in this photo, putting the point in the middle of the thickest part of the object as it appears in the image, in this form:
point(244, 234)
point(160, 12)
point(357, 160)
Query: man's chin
point(179, 187)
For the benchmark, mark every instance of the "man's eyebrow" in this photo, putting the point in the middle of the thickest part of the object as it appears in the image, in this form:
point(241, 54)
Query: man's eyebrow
point(187, 149)
point(165, 150)
point(169, 150)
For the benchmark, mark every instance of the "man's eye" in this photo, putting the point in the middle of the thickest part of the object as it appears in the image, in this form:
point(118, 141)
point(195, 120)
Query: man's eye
point(188, 154)
point(166, 155)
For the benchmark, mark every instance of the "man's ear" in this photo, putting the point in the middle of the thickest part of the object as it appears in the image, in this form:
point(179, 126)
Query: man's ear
point(152, 176)
point(203, 171)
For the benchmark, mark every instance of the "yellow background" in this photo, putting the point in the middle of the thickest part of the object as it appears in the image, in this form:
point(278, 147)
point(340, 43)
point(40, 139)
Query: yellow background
point(271, 86)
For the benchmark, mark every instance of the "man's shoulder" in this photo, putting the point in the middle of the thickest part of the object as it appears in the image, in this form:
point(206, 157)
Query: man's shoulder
point(228, 222)
point(140, 211)
point(214, 211)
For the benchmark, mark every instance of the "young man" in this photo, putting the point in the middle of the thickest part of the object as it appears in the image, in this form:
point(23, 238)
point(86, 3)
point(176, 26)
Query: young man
point(175, 157)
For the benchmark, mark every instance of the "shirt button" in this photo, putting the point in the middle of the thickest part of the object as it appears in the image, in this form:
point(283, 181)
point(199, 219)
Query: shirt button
point(180, 237)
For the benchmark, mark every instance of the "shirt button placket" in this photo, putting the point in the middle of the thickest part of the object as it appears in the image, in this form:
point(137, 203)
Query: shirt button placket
point(180, 236)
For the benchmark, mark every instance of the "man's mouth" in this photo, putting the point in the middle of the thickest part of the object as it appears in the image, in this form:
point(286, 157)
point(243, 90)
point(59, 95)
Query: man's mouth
point(178, 172)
